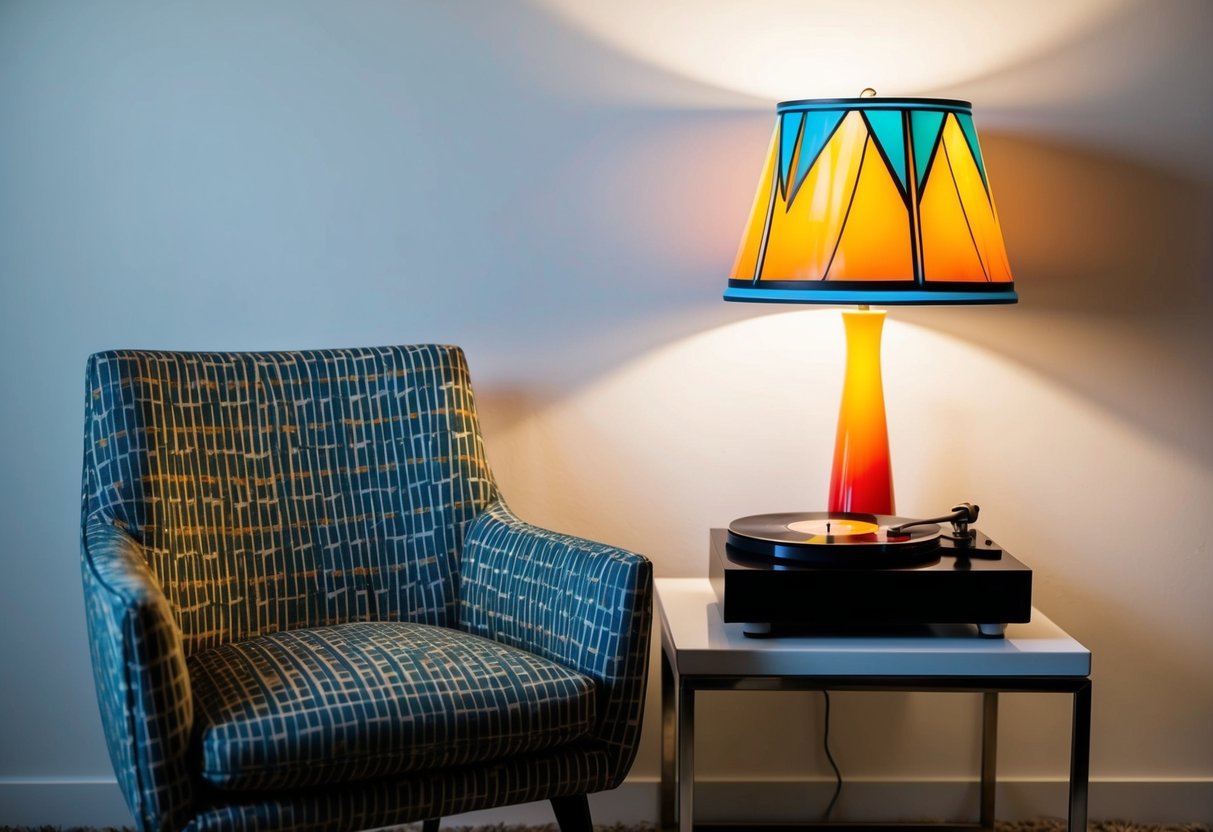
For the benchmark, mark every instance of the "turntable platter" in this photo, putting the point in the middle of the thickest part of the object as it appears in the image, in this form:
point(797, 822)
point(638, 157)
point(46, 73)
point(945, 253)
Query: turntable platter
point(841, 539)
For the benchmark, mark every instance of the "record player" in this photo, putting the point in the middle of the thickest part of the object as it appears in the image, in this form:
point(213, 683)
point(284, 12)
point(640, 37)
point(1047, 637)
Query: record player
point(783, 572)
point(869, 201)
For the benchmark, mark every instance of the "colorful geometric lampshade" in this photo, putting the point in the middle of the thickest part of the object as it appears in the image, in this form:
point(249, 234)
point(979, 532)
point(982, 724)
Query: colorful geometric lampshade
point(871, 201)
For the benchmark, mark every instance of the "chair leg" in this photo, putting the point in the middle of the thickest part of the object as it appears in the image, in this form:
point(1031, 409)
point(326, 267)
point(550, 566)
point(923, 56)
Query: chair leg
point(430, 825)
point(573, 813)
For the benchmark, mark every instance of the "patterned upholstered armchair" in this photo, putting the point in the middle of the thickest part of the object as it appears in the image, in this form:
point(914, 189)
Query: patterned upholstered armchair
point(309, 608)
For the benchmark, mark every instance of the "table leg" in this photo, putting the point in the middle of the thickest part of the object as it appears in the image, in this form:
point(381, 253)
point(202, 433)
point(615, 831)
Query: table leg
point(669, 734)
point(989, 757)
point(686, 757)
point(1080, 758)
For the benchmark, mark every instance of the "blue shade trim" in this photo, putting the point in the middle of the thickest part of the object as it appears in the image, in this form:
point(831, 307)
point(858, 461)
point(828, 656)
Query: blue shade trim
point(925, 127)
point(888, 131)
point(851, 297)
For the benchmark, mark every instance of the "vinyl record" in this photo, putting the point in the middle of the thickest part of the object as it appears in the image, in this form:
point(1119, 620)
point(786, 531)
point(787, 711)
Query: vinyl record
point(840, 539)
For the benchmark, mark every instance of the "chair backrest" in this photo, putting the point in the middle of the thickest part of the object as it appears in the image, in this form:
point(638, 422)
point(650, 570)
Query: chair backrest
point(277, 490)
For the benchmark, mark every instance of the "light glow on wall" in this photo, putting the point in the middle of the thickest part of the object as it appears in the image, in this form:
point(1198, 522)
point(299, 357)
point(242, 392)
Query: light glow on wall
point(785, 49)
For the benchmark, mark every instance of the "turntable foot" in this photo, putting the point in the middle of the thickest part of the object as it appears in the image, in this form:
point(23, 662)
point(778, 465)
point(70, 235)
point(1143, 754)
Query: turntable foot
point(992, 630)
point(756, 630)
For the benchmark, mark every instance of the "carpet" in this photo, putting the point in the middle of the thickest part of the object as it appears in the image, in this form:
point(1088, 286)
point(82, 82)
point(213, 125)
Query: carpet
point(1000, 826)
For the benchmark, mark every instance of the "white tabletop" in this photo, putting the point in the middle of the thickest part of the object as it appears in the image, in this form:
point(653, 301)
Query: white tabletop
point(700, 643)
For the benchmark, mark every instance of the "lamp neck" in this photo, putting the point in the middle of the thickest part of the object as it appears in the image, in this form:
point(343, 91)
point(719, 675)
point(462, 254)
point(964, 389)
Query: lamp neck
point(862, 477)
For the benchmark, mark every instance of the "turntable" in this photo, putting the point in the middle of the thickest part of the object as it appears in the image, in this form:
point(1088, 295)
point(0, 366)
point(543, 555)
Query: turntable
point(782, 573)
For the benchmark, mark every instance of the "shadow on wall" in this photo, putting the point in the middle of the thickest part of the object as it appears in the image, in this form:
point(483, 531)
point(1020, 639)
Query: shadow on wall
point(1129, 657)
point(1112, 261)
point(1132, 82)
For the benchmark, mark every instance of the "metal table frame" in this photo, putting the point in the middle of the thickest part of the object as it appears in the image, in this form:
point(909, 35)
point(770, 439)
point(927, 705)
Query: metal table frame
point(678, 734)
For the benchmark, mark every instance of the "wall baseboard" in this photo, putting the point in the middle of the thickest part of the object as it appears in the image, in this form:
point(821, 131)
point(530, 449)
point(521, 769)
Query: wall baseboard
point(97, 802)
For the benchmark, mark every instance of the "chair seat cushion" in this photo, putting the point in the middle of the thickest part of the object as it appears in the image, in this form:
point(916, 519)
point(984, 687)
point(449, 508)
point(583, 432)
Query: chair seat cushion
point(354, 701)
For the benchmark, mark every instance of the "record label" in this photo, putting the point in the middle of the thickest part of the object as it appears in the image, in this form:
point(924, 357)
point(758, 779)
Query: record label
point(819, 530)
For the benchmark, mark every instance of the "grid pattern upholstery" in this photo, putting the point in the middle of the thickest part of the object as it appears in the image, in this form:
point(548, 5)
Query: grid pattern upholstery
point(584, 604)
point(354, 701)
point(294, 489)
point(230, 498)
point(142, 684)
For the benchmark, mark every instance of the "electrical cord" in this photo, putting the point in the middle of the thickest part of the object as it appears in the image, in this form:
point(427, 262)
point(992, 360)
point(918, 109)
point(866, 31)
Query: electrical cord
point(826, 745)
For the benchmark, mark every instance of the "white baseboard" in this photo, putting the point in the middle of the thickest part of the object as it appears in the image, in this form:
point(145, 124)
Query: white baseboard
point(97, 802)
point(1144, 801)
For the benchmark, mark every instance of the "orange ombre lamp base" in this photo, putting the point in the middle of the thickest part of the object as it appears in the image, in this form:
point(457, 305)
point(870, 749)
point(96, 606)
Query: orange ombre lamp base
point(862, 478)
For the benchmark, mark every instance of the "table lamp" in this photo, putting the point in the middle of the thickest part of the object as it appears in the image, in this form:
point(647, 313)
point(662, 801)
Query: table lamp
point(871, 201)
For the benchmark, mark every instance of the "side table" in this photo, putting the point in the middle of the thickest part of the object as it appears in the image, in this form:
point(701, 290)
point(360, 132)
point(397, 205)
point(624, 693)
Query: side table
point(700, 652)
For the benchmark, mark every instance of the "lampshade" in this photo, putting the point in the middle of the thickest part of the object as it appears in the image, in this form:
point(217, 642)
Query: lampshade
point(873, 201)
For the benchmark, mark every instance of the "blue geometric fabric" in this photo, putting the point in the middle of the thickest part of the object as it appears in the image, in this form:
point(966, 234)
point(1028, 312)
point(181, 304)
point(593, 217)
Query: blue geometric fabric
point(241, 511)
point(142, 684)
point(583, 604)
point(275, 490)
point(354, 701)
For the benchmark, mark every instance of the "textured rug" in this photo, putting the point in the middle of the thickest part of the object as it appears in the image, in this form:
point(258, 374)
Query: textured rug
point(1001, 826)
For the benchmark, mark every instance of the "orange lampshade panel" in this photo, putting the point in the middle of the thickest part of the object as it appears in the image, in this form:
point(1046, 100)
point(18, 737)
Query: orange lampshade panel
point(961, 238)
point(755, 230)
point(873, 201)
point(874, 243)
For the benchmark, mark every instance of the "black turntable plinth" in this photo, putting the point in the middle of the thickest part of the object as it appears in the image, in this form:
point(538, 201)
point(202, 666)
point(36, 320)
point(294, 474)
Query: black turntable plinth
point(773, 587)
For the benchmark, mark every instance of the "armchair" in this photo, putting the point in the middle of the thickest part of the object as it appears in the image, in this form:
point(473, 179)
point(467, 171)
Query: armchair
point(310, 609)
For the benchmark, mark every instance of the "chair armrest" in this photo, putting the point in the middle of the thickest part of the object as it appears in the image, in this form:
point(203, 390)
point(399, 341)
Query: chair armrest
point(584, 604)
point(142, 684)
